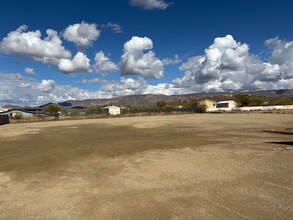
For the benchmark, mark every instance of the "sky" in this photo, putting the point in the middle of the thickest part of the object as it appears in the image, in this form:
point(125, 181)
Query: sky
point(53, 51)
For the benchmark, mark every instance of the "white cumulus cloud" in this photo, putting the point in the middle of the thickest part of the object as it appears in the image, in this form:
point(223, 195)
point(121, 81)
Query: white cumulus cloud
point(135, 62)
point(47, 85)
point(31, 45)
point(163, 89)
point(19, 90)
point(169, 61)
point(103, 64)
point(95, 80)
point(30, 71)
point(48, 50)
point(81, 34)
point(282, 54)
point(150, 4)
point(126, 86)
point(227, 65)
point(79, 64)
point(114, 27)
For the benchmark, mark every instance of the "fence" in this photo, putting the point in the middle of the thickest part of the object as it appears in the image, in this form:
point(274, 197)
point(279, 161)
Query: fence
point(157, 110)
point(265, 108)
point(4, 119)
point(253, 108)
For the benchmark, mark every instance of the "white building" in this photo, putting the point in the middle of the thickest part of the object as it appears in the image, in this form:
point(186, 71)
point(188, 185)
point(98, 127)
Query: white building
point(13, 112)
point(226, 105)
point(111, 110)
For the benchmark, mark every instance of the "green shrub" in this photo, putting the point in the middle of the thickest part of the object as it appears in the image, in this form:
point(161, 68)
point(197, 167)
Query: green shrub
point(17, 116)
point(202, 109)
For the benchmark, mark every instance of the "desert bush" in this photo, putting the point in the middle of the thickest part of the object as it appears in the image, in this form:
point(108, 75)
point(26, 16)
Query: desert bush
point(52, 110)
point(94, 110)
point(202, 109)
point(161, 104)
point(242, 100)
point(17, 116)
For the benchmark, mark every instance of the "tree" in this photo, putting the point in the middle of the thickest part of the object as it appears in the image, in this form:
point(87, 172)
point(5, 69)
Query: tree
point(202, 109)
point(256, 101)
point(94, 110)
point(243, 99)
point(17, 116)
point(187, 104)
point(161, 104)
point(282, 101)
point(64, 111)
point(52, 110)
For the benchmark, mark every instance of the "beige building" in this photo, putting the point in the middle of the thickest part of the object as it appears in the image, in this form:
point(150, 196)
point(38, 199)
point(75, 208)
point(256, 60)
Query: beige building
point(111, 110)
point(209, 103)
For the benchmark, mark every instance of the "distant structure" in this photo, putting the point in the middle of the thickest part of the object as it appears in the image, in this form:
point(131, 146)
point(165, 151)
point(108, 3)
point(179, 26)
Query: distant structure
point(227, 105)
point(209, 103)
point(4, 109)
point(111, 110)
point(13, 112)
point(231, 105)
point(213, 106)
point(265, 108)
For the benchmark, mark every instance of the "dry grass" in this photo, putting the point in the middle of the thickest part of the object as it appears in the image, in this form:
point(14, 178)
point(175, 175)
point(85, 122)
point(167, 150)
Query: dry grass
point(203, 166)
point(61, 118)
point(98, 116)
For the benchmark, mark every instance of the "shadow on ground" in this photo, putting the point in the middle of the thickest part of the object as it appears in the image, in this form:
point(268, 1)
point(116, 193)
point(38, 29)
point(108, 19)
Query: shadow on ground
point(289, 143)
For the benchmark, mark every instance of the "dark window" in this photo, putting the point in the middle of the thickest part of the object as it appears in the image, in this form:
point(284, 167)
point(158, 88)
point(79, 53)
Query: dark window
point(223, 105)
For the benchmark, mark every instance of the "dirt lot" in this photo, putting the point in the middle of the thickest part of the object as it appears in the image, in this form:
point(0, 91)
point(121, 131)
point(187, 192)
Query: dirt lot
point(203, 166)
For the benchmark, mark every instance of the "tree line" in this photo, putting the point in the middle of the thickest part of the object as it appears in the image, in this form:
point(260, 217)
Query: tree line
point(243, 100)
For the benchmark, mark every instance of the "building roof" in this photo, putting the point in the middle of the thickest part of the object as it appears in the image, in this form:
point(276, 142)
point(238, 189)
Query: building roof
point(18, 110)
point(228, 101)
point(208, 100)
point(112, 106)
point(4, 109)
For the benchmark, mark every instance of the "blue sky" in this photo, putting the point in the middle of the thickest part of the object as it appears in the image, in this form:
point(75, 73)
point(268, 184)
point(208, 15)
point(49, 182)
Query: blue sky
point(60, 50)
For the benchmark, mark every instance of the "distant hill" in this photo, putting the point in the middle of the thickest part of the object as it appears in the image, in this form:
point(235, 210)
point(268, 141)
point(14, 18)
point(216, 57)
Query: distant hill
point(151, 100)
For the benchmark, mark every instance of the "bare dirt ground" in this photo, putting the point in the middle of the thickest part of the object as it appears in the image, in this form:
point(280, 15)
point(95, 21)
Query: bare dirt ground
point(201, 166)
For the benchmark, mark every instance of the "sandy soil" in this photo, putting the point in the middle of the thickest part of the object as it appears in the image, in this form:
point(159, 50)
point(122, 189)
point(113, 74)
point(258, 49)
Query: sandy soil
point(202, 166)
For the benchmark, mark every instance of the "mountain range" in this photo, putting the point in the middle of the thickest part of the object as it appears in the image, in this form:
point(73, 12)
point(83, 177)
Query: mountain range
point(151, 100)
